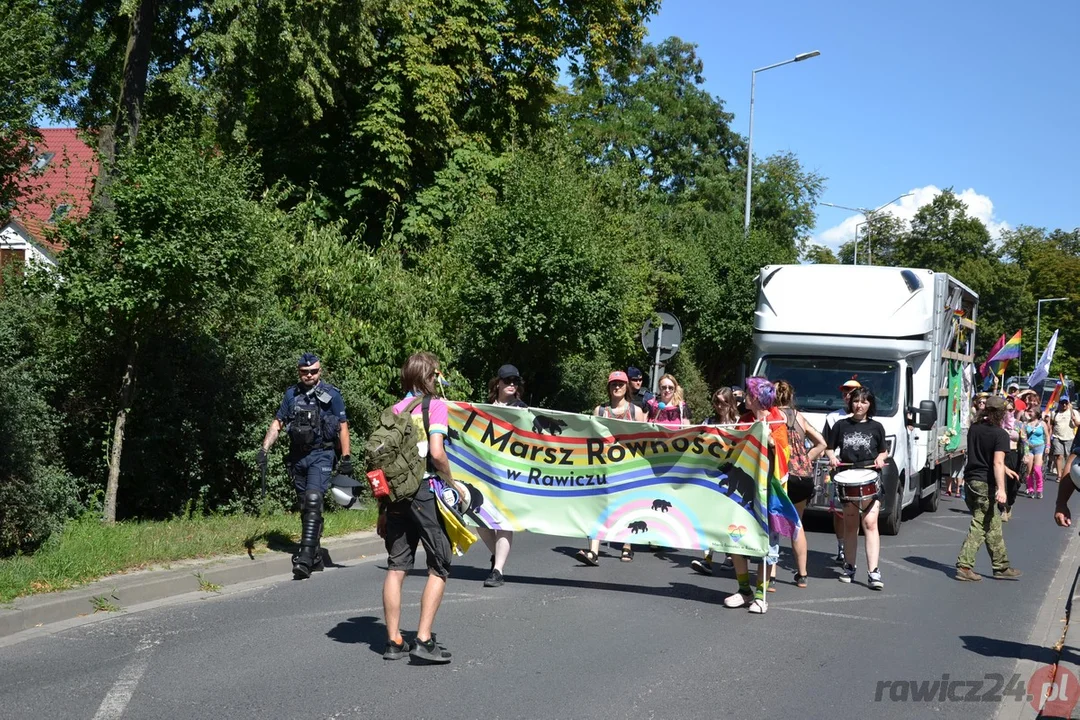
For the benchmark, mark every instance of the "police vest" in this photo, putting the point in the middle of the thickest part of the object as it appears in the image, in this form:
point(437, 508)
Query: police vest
point(312, 423)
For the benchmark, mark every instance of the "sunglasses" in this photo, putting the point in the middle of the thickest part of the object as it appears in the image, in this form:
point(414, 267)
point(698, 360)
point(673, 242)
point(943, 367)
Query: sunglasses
point(512, 381)
point(667, 387)
point(310, 371)
point(616, 383)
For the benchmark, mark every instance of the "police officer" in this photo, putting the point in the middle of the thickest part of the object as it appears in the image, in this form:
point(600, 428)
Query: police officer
point(313, 414)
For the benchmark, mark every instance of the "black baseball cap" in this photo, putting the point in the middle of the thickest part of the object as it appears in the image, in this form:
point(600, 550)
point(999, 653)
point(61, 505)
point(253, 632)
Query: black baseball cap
point(634, 374)
point(508, 371)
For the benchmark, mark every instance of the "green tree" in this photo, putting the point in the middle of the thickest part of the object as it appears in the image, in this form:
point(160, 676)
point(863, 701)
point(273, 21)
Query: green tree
point(28, 36)
point(943, 236)
point(653, 115)
point(178, 233)
point(819, 255)
point(544, 274)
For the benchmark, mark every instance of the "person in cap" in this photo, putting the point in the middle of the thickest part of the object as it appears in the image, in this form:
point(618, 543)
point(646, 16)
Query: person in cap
point(312, 413)
point(504, 390)
point(638, 395)
point(618, 407)
point(984, 477)
point(831, 419)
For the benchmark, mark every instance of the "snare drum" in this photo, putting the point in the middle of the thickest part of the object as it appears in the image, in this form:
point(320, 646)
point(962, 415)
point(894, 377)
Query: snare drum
point(856, 486)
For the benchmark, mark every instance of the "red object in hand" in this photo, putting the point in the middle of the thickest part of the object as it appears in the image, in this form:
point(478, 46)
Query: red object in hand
point(377, 481)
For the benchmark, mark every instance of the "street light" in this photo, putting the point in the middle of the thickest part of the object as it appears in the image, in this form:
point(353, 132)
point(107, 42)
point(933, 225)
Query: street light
point(1038, 322)
point(750, 139)
point(869, 215)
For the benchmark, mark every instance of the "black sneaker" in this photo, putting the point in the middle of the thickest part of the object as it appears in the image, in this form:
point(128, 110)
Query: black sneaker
point(396, 652)
point(495, 579)
point(429, 652)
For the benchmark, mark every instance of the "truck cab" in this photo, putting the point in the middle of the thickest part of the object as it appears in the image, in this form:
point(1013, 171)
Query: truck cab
point(907, 334)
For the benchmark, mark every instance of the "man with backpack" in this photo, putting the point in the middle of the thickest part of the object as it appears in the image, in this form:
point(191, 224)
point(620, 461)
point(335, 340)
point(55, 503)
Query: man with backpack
point(407, 447)
point(313, 414)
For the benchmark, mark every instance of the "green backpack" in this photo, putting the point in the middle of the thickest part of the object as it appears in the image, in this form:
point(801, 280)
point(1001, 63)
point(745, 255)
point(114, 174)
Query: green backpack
point(392, 449)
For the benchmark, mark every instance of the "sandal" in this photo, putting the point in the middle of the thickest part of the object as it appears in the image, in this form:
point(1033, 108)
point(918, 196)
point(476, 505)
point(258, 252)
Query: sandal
point(588, 557)
point(627, 555)
point(772, 587)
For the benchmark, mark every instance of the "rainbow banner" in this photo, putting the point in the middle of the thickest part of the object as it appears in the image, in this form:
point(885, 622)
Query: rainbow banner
point(554, 473)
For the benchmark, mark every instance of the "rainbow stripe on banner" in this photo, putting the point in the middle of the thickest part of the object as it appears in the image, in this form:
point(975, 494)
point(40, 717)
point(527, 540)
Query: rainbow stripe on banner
point(554, 473)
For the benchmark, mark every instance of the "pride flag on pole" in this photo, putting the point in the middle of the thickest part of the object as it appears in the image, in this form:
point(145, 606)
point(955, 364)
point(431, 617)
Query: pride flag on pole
point(1056, 395)
point(1042, 368)
point(984, 369)
point(1009, 351)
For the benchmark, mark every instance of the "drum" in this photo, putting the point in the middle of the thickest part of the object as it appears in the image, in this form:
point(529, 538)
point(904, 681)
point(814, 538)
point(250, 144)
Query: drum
point(855, 486)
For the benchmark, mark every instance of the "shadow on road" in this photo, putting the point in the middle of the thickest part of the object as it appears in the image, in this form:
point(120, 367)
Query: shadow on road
point(993, 647)
point(947, 570)
point(365, 629)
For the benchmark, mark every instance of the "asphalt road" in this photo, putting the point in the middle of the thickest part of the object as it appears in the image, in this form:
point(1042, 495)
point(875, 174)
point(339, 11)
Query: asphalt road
point(647, 639)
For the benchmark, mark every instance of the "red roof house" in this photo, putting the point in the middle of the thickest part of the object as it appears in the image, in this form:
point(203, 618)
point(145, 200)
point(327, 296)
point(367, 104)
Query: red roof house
point(58, 183)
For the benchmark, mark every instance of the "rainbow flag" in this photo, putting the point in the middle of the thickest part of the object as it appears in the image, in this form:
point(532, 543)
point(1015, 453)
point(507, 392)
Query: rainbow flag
point(1056, 395)
point(984, 369)
point(1008, 351)
point(783, 516)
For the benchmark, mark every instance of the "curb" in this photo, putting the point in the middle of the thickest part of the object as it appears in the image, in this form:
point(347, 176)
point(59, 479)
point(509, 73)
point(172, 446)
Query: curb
point(147, 585)
point(1050, 633)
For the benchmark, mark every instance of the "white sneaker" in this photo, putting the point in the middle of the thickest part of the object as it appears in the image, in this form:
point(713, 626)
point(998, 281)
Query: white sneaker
point(759, 607)
point(847, 574)
point(738, 600)
point(873, 579)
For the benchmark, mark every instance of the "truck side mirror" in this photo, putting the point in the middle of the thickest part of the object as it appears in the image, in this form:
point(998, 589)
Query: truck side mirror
point(927, 414)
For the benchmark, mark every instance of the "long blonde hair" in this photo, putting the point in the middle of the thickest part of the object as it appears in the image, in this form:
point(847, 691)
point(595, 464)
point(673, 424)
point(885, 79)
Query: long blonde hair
point(677, 396)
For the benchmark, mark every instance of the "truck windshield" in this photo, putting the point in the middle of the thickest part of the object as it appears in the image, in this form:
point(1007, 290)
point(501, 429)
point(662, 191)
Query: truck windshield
point(817, 380)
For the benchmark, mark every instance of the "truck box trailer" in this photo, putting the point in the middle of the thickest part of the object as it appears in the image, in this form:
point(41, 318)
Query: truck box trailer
point(907, 334)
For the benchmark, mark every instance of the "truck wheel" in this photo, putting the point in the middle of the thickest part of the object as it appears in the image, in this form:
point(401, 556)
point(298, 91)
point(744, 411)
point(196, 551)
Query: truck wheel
point(889, 524)
point(930, 502)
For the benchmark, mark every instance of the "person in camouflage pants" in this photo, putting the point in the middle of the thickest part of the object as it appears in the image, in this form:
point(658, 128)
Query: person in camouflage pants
point(984, 478)
point(985, 527)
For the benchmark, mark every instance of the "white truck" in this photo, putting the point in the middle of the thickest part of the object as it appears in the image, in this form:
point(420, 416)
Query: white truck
point(907, 334)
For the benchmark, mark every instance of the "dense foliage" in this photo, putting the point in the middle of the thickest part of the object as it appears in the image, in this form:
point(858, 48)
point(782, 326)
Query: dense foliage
point(368, 181)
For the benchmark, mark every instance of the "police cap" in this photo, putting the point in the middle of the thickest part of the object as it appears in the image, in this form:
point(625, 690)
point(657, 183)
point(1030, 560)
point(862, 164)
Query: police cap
point(307, 360)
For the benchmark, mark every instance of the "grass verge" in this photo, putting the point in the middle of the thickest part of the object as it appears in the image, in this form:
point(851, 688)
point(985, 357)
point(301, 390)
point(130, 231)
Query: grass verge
point(87, 550)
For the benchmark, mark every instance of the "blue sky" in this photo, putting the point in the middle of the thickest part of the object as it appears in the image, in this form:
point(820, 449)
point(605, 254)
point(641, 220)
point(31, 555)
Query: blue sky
point(905, 97)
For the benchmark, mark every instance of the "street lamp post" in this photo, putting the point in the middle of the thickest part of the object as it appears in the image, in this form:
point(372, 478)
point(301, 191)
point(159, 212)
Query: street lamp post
point(1038, 322)
point(750, 138)
point(869, 221)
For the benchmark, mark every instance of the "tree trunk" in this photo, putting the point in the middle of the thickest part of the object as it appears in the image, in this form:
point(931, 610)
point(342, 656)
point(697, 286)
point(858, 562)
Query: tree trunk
point(118, 435)
point(132, 95)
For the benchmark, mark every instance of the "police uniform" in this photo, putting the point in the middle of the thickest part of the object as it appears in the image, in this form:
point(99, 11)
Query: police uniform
point(312, 417)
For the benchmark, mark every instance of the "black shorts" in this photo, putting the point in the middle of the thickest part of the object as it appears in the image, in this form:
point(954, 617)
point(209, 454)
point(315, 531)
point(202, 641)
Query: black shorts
point(411, 522)
point(800, 489)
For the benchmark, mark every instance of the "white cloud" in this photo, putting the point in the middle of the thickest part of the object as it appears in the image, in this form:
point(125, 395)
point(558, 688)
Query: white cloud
point(979, 206)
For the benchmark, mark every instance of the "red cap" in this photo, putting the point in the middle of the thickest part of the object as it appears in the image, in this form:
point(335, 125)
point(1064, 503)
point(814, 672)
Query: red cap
point(617, 376)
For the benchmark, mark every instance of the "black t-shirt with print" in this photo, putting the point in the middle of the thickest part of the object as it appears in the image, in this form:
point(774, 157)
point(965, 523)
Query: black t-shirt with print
point(983, 441)
point(857, 442)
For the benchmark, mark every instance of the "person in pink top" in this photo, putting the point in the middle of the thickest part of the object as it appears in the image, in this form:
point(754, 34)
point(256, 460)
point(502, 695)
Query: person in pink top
point(668, 408)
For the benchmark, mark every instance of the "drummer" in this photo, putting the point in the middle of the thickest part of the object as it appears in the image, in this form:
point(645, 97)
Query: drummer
point(834, 507)
point(860, 439)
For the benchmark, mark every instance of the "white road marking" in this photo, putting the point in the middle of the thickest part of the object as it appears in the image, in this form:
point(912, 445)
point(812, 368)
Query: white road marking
point(895, 547)
point(901, 566)
point(838, 615)
point(119, 695)
point(946, 527)
point(862, 598)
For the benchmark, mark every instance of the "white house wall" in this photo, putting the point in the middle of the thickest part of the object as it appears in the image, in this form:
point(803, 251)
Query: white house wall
point(13, 237)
